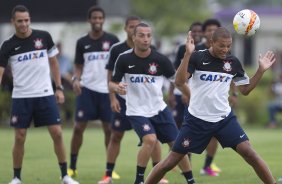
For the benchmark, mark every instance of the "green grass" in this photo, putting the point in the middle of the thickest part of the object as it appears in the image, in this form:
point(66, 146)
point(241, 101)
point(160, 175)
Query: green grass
point(40, 164)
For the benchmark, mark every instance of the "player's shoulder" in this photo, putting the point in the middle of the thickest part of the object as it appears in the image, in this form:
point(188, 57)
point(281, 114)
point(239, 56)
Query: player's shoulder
point(8, 41)
point(111, 36)
point(231, 57)
point(40, 33)
point(118, 45)
point(83, 38)
point(126, 54)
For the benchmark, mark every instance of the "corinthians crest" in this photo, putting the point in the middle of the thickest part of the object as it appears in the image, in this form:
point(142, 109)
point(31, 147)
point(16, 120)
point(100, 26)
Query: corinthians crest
point(227, 66)
point(38, 43)
point(152, 68)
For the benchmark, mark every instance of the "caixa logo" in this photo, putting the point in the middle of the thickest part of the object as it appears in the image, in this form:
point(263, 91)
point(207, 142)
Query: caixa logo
point(30, 56)
point(98, 56)
point(211, 77)
point(142, 79)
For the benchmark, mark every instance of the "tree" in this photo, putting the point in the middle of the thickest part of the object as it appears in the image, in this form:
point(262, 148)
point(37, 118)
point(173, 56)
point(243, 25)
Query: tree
point(171, 17)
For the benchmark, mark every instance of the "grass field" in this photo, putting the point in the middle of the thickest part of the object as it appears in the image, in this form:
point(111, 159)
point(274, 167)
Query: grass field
point(40, 164)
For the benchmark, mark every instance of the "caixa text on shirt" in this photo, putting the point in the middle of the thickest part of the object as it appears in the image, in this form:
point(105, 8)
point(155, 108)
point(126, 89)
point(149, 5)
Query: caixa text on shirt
point(142, 79)
point(214, 77)
point(30, 56)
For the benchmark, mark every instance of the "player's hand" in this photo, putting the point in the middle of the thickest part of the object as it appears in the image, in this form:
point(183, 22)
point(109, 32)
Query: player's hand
point(266, 61)
point(60, 97)
point(115, 106)
point(76, 87)
point(190, 46)
point(121, 88)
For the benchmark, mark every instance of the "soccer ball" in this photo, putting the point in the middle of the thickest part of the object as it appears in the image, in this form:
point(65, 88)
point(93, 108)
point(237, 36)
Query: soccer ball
point(246, 22)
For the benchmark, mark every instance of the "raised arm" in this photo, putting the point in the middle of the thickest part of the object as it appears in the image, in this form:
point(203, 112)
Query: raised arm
point(265, 62)
point(181, 73)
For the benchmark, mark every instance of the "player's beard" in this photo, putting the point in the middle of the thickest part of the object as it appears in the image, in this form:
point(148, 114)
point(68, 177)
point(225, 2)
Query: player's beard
point(97, 27)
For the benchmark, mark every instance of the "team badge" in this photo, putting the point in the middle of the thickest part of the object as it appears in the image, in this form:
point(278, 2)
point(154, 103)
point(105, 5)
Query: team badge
point(153, 68)
point(227, 66)
point(117, 123)
point(80, 114)
point(106, 46)
point(146, 127)
point(14, 119)
point(186, 143)
point(38, 43)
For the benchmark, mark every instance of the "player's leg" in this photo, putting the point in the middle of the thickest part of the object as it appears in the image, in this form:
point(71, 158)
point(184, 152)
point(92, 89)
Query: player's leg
point(258, 164)
point(230, 134)
point(211, 151)
point(18, 151)
point(21, 116)
point(84, 111)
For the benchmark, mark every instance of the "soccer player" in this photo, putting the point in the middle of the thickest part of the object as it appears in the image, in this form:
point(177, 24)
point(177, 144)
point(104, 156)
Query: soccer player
point(143, 70)
point(120, 123)
point(32, 54)
point(209, 114)
point(90, 82)
point(208, 27)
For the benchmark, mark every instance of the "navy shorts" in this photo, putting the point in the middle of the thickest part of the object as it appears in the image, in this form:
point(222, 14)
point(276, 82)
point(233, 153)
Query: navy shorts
point(120, 121)
point(42, 110)
point(195, 134)
point(91, 105)
point(162, 124)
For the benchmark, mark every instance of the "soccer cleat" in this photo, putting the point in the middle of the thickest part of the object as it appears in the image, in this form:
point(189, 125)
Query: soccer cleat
point(115, 175)
point(68, 180)
point(208, 171)
point(215, 168)
point(163, 181)
point(105, 180)
point(16, 181)
point(280, 180)
point(72, 173)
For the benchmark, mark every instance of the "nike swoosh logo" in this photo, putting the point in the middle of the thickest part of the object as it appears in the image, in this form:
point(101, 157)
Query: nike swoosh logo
point(206, 63)
point(241, 136)
point(131, 66)
point(87, 46)
point(17, 48)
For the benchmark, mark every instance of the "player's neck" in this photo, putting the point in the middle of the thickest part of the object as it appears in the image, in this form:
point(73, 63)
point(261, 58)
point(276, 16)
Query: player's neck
point(141, 53)
point(130, 43)
point(96, 34)
point(24, 35)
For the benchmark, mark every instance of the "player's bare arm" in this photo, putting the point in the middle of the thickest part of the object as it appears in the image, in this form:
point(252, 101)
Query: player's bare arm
point(265, 62)
point(115, 106)
point(181, 73)
point(54, 66)
point(76, 79)
point(1, 73)
point(119, 88)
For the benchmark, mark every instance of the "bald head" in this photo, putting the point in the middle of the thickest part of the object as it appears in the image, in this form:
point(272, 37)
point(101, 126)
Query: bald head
point(221, 32)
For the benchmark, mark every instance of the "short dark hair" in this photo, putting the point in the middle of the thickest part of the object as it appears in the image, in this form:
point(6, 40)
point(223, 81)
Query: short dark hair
point(142, 24)
point(19, 8)
point(131, 18)
point(221, 32)
point(197, 23)
point(209, 22)
point(93, 9)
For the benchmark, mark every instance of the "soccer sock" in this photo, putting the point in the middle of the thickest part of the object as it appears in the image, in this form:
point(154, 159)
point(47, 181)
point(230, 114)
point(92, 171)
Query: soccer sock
point(139, 175)
point(17, 172)
point(208, 161)
point(73, 161)
point(189, 177)
point(109, 169)
point(63, 167)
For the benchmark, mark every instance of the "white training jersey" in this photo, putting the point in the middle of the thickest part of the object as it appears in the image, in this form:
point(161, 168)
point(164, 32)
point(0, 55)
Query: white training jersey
point(145, 77)
point(29, 59)
point(210, 84)
point(94, 55)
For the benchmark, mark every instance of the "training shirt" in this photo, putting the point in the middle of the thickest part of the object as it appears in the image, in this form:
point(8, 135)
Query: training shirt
point(145, 77)
point(29, 63)
point(210, 84)
point(94, 55)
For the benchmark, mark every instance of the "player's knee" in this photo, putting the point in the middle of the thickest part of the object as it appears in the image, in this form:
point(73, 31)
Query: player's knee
point(57, 136)
point(20, 138)
point(116, 137)
point(149, 140)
